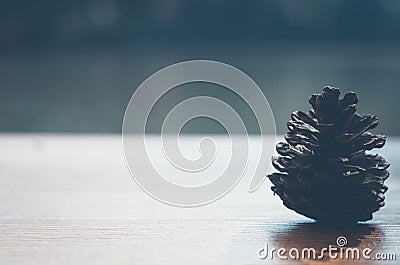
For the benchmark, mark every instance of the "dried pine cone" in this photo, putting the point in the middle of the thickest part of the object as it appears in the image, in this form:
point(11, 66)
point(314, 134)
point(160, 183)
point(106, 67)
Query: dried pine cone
point(326, 173)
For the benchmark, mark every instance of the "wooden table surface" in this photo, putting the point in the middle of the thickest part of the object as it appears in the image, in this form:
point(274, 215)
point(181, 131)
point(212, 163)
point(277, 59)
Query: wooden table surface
point(69, 199)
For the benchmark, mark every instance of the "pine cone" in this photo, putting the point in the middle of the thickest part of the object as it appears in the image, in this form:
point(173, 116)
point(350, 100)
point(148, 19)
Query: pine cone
point(326, 173)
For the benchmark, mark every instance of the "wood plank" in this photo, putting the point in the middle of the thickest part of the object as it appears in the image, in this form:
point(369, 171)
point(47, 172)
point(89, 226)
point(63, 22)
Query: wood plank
point(69, 199)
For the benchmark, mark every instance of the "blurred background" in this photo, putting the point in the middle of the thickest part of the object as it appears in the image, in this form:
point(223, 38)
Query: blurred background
point(71, 66)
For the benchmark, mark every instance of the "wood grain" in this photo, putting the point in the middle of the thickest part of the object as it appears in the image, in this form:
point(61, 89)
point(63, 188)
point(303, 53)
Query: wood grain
point(69, 199)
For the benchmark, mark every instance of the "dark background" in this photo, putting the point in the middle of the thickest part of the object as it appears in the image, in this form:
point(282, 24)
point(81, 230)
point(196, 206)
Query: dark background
point(71, 66)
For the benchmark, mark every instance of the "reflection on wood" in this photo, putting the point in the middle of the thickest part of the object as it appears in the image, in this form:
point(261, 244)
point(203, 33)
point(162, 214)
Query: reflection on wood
point(313, 235)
